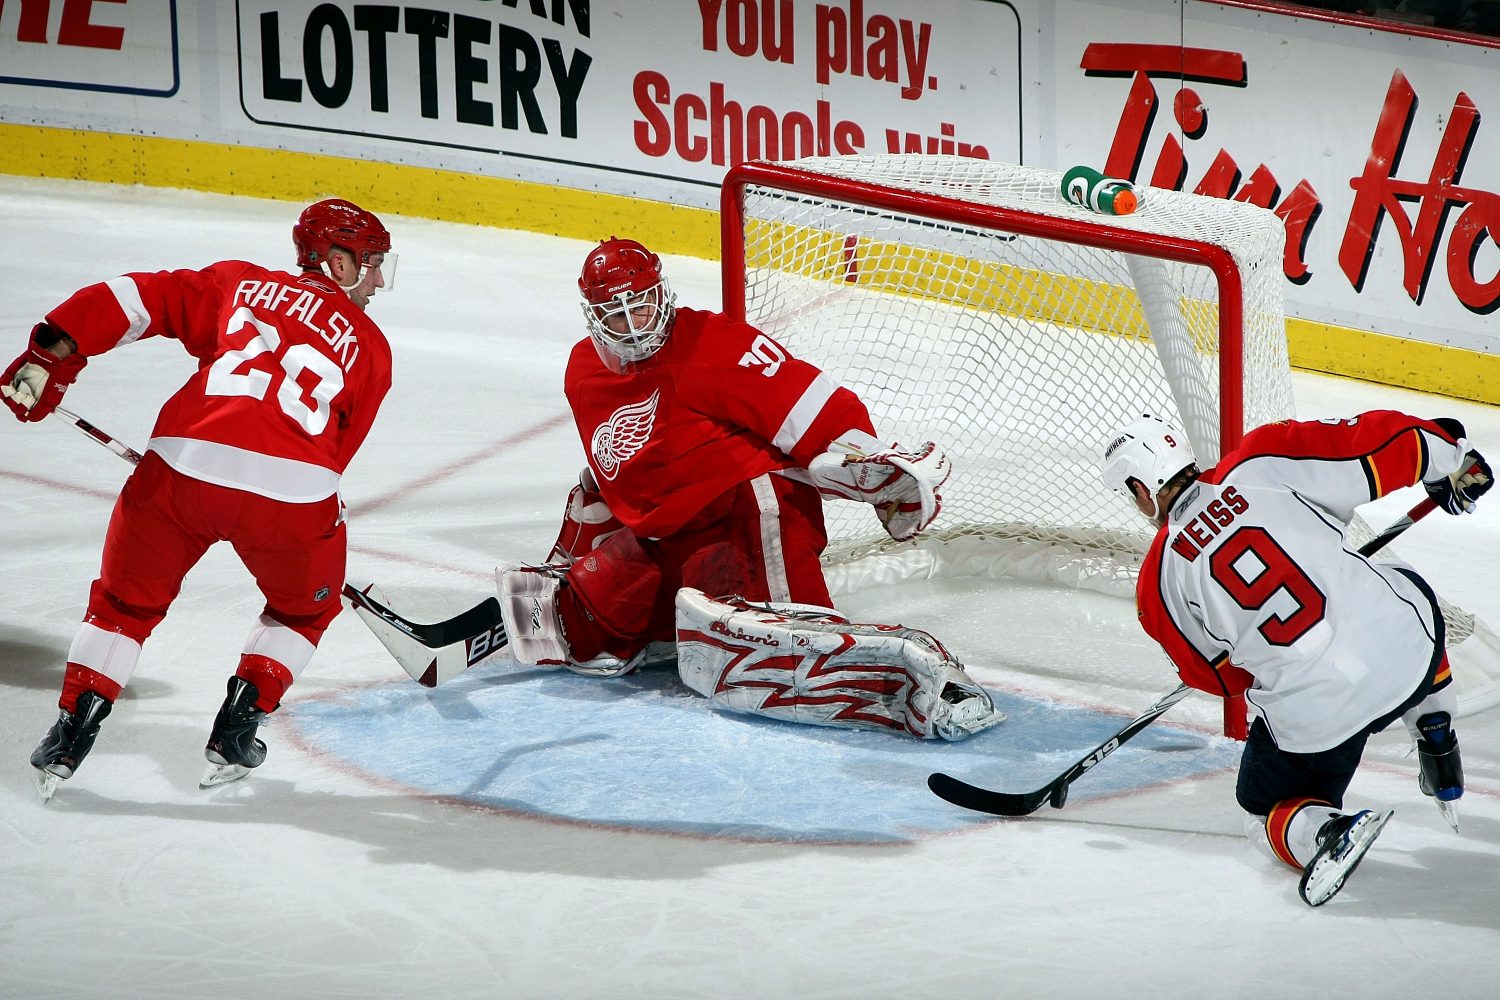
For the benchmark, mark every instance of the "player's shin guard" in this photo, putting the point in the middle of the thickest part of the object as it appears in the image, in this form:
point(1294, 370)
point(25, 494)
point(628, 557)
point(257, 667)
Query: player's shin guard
point(810, 665)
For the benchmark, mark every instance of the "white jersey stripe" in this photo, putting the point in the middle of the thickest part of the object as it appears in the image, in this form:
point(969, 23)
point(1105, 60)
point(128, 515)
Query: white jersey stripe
point(804, 412)
point(129, 297)
point(264, 475)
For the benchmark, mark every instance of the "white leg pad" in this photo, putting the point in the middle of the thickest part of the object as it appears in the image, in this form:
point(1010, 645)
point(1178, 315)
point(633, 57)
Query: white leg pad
point(528, 606)
point(813, 666)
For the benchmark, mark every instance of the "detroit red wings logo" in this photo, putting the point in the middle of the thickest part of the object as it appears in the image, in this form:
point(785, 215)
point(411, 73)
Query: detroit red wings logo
point(625, 432)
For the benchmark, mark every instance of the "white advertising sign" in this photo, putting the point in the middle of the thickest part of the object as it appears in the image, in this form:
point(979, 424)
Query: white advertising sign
point(678, 90)
point(1367, 143)
point(99, 47)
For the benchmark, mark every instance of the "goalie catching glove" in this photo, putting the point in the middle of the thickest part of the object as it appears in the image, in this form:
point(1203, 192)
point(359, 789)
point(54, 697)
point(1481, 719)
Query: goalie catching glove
point(902, 485)
point(34, 383)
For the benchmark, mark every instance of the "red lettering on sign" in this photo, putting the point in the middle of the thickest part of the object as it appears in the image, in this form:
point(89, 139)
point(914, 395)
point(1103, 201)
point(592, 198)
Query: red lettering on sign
point(1142, 63)
point(1379, 195)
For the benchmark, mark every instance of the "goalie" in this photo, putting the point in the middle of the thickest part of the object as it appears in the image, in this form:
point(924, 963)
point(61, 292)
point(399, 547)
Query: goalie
point(710, 449)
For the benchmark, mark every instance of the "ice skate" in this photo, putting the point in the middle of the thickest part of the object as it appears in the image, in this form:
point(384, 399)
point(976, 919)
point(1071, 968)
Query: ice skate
point(68, 742)
point(1440, 769)
point(232, 748)
point(1342, 843)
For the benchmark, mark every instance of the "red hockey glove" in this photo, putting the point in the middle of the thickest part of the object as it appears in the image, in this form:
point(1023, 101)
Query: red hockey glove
point(34, 383)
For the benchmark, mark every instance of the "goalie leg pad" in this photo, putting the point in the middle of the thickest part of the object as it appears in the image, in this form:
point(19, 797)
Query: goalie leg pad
point(811, 665)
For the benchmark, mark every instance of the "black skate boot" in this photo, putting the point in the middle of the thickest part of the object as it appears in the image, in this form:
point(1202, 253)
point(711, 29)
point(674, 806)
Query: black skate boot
point(232, 748)
point(68, 741)
point(1342, 843)
point(1440, 768)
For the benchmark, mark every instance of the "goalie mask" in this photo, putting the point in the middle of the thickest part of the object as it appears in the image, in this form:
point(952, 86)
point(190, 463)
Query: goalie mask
point(337, 224)
point(1148, 449)
point(627, 301)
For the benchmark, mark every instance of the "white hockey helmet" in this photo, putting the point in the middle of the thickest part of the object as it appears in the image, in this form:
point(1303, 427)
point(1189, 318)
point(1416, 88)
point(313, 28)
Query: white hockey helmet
point(1148, 449)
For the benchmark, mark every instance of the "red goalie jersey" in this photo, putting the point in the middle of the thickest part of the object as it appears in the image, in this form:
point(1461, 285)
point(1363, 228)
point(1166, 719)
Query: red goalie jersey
point(290, 373)
point(720, 404)
point(1253, 559)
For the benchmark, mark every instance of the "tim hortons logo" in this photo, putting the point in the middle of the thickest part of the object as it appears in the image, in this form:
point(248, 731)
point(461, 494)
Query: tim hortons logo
point(623, 435)
point(736, 633)
point(1419, 210)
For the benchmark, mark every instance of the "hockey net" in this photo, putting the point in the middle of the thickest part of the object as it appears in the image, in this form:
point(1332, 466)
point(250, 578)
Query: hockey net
point(968, 303)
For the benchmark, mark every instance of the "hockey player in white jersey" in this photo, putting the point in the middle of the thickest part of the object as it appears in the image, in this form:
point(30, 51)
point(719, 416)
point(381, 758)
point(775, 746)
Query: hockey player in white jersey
point(1251, 587)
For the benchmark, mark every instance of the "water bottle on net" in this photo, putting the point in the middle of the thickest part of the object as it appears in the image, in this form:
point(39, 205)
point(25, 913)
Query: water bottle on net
point(1089, 188)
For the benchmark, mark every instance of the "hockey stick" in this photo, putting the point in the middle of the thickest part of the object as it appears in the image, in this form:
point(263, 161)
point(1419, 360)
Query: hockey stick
point(459, 642)
point(986, 800)
point(126, 452)
point(438, 652)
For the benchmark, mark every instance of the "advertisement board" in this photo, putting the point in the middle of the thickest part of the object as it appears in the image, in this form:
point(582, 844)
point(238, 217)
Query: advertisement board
point(1366, 139)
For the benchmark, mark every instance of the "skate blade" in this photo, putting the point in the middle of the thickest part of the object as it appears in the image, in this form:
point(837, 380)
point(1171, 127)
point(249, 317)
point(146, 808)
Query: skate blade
point(46, 783)
point(1450, 812)
point(221, 774)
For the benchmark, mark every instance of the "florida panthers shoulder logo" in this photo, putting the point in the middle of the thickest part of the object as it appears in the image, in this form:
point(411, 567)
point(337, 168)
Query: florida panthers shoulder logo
point(625, 432)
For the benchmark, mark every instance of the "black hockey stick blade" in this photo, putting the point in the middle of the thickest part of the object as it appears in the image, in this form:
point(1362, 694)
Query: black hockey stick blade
point(437, 652)
point(961, 793)
point(968, 796)
point(482, 617)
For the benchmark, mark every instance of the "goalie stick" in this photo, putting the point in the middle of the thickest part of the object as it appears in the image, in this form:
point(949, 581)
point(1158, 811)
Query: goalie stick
point(431, 654)
point(998, 803)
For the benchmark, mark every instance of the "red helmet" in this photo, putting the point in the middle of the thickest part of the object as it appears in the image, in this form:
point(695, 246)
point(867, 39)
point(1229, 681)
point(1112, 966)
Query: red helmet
point(622, 281)
point(338, 223)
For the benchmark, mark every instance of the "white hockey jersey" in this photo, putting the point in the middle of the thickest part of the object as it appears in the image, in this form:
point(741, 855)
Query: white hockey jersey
point(1251, 584)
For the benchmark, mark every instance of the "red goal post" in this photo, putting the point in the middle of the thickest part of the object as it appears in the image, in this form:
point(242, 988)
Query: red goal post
point(967, 302)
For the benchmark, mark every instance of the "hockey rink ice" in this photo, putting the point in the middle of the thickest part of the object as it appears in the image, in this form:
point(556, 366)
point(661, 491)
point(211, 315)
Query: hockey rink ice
point(520, 833)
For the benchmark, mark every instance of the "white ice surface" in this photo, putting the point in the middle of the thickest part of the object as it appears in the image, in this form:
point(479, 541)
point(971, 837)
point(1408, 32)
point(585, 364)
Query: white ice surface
point(313, 879)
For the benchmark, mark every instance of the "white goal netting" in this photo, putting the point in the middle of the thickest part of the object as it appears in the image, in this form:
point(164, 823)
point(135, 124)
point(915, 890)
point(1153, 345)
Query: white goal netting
point(968, 303)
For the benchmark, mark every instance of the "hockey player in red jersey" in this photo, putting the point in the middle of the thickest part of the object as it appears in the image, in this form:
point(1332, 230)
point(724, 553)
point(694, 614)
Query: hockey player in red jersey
point(710, 449)
point(291, 373)
point(1251, 587)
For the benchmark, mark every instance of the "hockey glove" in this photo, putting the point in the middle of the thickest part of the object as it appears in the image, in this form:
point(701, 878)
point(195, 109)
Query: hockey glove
point(34, 383)
point(902, 486)
point(1457, 493)
point(587, 522)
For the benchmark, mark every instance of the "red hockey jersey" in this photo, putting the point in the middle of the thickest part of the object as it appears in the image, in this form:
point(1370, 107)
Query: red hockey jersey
point(290, 373)
point(1251, 579)
point(720, 404)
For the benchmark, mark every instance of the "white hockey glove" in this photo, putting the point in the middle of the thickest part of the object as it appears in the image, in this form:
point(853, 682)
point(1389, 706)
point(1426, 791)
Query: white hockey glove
point(587, 522)
point(901, 485)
